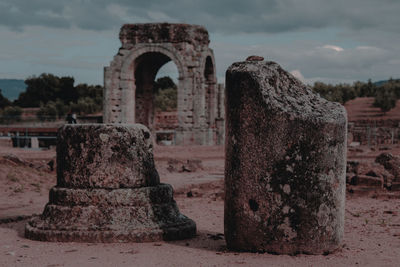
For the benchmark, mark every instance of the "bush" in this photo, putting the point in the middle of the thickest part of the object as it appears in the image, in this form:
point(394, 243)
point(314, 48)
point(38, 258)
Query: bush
point(166, 99)
point(85, 105)
point(47, 112)
point(62, 109)
point(4, 102)
point(385, 99)
point(10, 114)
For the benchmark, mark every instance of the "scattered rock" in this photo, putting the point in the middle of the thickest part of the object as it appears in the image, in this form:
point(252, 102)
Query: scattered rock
point(190, 165)
point(372, 173)
point(218, 236)
point(367, 180)
point(352, 166)
point(394, 186)
point(391, 164)
point(15, 159)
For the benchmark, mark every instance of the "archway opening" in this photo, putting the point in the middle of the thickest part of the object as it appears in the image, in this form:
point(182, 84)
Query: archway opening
point(156, 102)
point(209, 92)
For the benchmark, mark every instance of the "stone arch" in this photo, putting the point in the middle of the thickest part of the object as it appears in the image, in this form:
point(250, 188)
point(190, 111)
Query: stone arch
point(145, 48)
point(157, 55)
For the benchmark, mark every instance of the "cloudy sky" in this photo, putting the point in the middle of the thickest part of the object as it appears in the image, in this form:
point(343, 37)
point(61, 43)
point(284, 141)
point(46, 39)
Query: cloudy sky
point(331, 41)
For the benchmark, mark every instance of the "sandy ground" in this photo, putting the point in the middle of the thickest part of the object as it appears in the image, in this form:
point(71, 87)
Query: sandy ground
point(372, 228)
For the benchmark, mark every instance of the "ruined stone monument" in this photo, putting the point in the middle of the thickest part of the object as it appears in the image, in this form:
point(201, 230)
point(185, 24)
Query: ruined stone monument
point(285, 163)
point(108, 190)
point(128, 81)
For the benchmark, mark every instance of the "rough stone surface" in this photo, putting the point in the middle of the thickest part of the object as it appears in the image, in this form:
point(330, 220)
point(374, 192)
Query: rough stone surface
point(128, 81)
point(285, 163)
point(108, 190)
point(105, 156)
point(254, 58)
point(391, 164)
point(163, 33)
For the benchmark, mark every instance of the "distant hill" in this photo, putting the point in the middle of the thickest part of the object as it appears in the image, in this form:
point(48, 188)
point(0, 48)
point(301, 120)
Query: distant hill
point(11, 88)
point(379, 83)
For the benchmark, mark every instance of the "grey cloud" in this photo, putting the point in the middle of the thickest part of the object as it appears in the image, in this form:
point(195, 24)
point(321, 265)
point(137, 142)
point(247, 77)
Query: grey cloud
point(358, 22)
point(259, 16)
point(316, 62)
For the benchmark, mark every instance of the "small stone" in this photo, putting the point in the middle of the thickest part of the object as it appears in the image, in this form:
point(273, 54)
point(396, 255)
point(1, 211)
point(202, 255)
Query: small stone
point(254, 58)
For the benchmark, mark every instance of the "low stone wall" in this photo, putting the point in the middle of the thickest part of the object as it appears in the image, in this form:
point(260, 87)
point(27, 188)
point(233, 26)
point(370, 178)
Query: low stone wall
point(374, 132)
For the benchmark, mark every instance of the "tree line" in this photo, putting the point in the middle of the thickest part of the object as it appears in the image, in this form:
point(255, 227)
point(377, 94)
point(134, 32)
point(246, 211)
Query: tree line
point(55, 97)
point(385, 94)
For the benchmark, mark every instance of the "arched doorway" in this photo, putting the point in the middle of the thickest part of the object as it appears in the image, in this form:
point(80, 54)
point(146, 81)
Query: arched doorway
point(210, 90)
point(146, 68)
point(156, 104)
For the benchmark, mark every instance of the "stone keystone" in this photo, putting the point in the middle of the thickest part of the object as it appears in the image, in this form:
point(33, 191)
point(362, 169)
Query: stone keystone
point(285, 163)
point(108, 190)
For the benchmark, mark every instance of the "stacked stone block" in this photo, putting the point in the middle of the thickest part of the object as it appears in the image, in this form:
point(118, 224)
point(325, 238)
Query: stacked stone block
point(108, 190)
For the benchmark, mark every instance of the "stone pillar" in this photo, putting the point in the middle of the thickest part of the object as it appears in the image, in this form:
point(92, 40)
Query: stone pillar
point(285, 163)
point(108, 190)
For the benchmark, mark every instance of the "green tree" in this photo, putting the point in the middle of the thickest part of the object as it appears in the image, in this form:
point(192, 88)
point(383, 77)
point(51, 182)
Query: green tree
point(166, 100)
point(165, 94)
point(4, 102)
point(39, 90)
point(94, 92)
point(62, 108)
point(48, 112)
point(66, 91)
point(10, 114)
point(163, 83)
point(45, 88)
point(385, 98)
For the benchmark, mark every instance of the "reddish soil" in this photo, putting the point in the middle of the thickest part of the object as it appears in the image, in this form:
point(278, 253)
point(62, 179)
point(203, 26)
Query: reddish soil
point(372, 229)
point(362, 108)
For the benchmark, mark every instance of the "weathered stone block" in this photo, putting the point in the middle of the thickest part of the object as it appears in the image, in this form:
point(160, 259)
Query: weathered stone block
point(108, 190)
point(105, 156)
point(285, 163)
